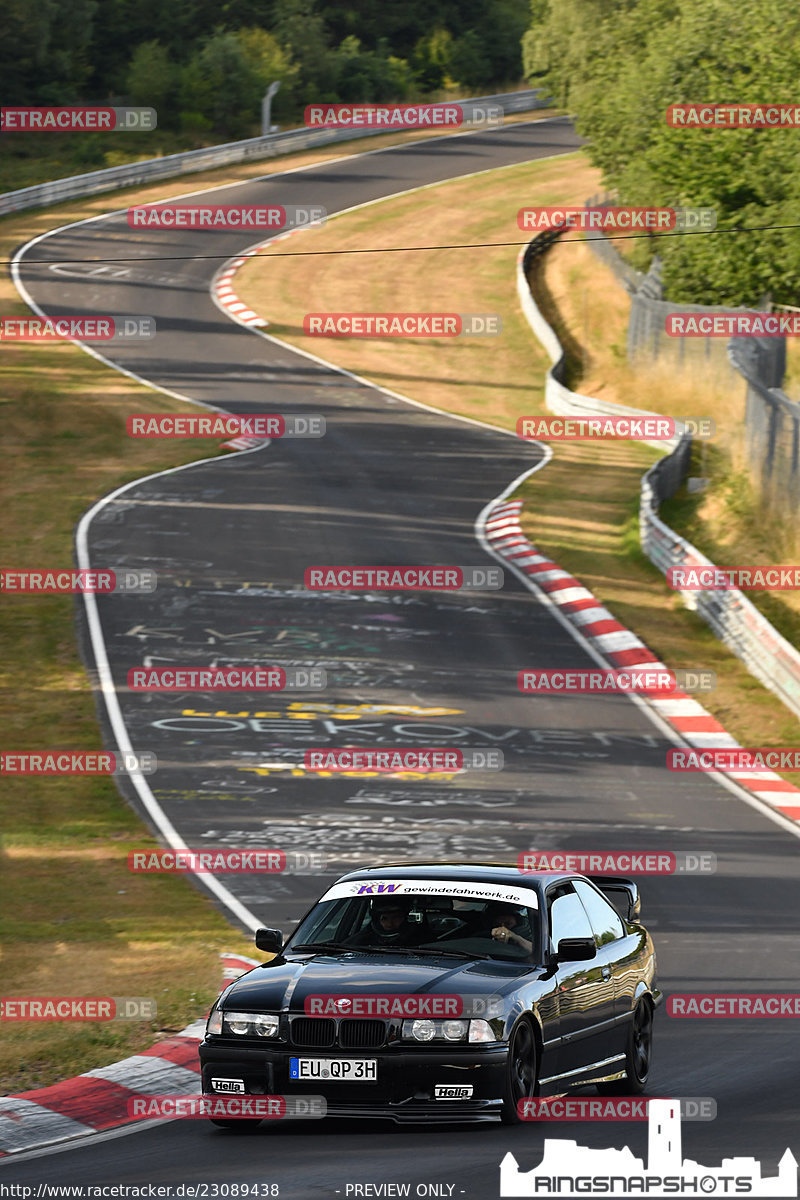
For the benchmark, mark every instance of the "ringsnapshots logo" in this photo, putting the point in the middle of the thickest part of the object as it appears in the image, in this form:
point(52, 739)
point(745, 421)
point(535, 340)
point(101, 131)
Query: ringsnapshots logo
point(94, 582)
point(77, 1008)
point(568, 1169)
point(611, 219)
point(411, 1006)
point(732, 324)
point(98, 120)
point(218, 425)
point(228, 1107)
point(111, 330)
point(401, 760)
point(402, 116)
point(262, 217)
point(402, 325)
point(611, 1108)
point(229, 679)
point(402, 579)
point(76, 762)
point(225, 861)
point(699, 577)
point(618, 862)
point(636, 429)
point(733, 116)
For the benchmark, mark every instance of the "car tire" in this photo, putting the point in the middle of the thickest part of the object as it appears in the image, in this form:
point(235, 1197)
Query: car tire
point(521, 1072)
point(638, 1055)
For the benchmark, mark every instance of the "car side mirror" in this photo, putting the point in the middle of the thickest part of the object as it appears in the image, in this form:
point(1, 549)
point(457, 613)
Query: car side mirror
point(269, 940)
point(575, 949)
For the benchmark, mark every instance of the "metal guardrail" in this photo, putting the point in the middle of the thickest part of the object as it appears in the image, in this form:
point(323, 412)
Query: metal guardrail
point(131, 174)
point(734, 619)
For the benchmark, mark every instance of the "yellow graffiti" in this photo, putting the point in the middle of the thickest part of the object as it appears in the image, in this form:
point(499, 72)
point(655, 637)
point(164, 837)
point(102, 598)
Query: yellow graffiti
point(343, 711)
point(303, 773)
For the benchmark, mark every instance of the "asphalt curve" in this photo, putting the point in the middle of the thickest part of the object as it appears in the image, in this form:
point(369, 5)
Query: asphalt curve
point(392, 483)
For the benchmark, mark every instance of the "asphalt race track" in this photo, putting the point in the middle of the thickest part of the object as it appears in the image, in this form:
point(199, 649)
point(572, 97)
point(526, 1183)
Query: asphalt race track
point(392, 483)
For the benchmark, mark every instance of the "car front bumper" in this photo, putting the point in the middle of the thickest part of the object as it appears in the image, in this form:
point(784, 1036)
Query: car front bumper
point(404, 1090)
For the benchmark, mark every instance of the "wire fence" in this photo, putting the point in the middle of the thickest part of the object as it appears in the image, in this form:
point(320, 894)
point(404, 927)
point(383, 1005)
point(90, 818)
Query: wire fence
point(734, 619)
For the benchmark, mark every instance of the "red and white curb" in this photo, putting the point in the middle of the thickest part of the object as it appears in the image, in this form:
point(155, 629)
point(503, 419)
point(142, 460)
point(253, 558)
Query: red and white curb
point(97, 1100)
point(622, 648)
point(224, 293)
point(223, 290)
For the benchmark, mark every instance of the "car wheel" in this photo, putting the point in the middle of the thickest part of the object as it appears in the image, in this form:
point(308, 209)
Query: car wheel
point(521, 1065)
point(638, 1055)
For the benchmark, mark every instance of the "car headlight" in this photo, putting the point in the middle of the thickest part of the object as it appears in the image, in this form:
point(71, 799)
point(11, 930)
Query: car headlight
point(481, 1031)
point(424, 1030)
point(251, 1024)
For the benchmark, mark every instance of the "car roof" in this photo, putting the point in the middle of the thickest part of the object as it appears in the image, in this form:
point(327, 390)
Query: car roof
point(505, 873)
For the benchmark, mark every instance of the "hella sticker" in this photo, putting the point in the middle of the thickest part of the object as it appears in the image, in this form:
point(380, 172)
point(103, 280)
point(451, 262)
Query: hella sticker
point(228, 1085)
point(452, 1091)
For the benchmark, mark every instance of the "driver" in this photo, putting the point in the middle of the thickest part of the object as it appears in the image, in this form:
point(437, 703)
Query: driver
point(389, 924)
point(506, 922)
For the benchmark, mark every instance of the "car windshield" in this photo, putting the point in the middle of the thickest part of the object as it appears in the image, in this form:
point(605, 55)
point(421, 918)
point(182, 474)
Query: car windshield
point(465, 927)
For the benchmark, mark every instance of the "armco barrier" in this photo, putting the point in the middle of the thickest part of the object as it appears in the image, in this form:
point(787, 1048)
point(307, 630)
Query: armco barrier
point(150, 169)
point(734, 619)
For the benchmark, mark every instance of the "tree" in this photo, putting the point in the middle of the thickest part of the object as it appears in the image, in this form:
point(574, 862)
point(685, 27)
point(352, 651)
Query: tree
point(152, 79)
point(220, 85)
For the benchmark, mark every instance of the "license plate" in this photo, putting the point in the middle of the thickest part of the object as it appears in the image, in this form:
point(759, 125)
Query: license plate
point(335, 1070)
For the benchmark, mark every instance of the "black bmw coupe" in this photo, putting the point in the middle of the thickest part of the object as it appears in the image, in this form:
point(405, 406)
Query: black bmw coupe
point(444, 991)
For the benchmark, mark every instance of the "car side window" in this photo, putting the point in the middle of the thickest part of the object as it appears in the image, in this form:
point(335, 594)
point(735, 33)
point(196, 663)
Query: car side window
point(568, 917)
point(603, 916)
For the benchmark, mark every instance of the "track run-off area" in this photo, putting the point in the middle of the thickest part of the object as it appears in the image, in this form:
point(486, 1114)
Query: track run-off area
point(391, 482)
